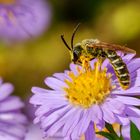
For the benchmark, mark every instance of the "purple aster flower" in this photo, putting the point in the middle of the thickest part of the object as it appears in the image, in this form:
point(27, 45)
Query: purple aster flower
point(12, 121)
point(78, 100)
point(22, 19)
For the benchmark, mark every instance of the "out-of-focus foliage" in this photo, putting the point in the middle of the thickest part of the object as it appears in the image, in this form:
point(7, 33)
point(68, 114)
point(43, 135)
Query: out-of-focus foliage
point(126, 21)
point(26, 64)
point(76, 10)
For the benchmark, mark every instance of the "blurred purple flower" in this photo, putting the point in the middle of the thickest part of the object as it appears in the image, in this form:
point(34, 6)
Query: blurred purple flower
point(78, 100)
point(12, 121)
point(23, 19)
point(35, 133)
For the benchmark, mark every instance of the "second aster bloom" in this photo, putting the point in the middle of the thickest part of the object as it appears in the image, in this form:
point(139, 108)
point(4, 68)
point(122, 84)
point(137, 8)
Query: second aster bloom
point(78, 100)
point(35, 133)
point(12, 121)
point(23, 19)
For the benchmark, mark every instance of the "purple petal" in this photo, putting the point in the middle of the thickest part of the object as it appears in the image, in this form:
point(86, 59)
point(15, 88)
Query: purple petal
point(11, 103)
point(92, 63)
point(96, 114)
point(135, 74)
point(128, 57)
point(101, 124)
point(73, 68)
point(105, 63)
point(130, 91)
point(16, 130)
point(126, 132)
point(46, 112)
point(107, 114)
point(47, 107)
point(115, 106)
point(135, 82)
point(123, 120)
point(4, 136)
point(40, 99)
point(5, 90)
point(134, 65)
point(72, 121)
point(34, 133)
point(87, 119)
point(82, 119)
point(13, 117)
point(49, 120)
point(128, 100)
point(82, 126)
point(60, 76)
point(37, 90)
point(69, 138)
point(132, 111)
point(55, 83)
point(90, 133)
point(54, 128)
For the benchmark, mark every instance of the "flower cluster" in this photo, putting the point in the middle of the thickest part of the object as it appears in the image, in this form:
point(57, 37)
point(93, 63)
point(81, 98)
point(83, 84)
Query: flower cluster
point(12, 121)
point(79, 101)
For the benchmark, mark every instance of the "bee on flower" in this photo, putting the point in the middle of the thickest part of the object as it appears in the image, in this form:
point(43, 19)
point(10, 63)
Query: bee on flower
point(101, 87)
point(79, 100)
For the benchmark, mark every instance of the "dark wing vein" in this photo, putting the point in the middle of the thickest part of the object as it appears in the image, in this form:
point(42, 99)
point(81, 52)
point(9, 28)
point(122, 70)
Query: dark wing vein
point(114, 47)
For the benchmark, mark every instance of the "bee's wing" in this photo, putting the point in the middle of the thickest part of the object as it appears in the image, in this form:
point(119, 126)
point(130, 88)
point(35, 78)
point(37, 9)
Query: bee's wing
point(115, 47)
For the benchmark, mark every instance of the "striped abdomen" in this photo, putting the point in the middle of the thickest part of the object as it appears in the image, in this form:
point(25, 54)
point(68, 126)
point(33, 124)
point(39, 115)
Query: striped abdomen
point(120, 68)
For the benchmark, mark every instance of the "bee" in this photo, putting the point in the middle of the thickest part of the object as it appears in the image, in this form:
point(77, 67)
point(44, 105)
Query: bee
point(89, 49)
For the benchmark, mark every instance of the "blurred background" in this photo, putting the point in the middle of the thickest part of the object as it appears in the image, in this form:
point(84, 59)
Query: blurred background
point(28, 63)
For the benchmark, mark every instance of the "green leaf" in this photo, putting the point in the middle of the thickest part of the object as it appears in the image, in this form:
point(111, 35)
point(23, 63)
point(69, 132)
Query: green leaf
point(107, 135)
point(121, 138)
point(134, 132)
point(110, 128)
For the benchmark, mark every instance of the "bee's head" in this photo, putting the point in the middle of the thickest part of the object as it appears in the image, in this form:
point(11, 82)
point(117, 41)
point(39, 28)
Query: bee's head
point(75, 51)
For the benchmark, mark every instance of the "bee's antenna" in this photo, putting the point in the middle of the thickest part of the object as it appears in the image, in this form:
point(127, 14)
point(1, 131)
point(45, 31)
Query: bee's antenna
point(62, 37)
point(74, 31)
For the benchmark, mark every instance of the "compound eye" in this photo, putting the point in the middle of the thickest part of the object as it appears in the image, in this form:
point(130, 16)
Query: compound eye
point(77, 52)
point(75, 57)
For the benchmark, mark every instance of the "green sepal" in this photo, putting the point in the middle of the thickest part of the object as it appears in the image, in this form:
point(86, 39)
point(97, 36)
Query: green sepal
point(110, 136)
point(110, 128)
point(134, 132)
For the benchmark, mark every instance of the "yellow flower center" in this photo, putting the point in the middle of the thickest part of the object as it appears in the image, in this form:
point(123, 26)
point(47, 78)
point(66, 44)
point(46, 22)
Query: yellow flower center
point(89, 87)
point(7, 2)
